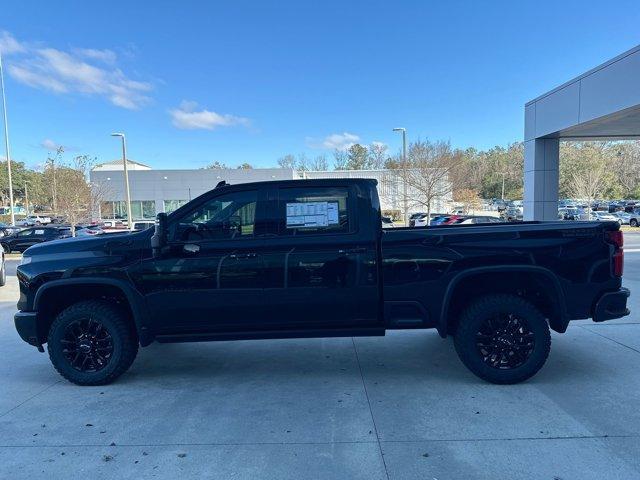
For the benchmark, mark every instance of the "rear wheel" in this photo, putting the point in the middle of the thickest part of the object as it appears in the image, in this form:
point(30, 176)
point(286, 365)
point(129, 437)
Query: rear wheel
point(3, 273)
point(633, 222)
point(503, 339)
point(6, 248)
point(92, 343)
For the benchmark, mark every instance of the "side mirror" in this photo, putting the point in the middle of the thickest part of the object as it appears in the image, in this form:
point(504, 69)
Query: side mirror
point(159, 237)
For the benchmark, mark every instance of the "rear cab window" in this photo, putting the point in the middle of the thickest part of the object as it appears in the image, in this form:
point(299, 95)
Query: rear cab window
point(314, 211)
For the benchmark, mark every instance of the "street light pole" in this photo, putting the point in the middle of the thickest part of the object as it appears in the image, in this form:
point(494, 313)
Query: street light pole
point(404, 173)
point(6, 143)
point(126, 178)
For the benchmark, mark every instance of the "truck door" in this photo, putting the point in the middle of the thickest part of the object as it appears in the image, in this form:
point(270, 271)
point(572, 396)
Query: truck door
point(320, 266)
point(211, 276)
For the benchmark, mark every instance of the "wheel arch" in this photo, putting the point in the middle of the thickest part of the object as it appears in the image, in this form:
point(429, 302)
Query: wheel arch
point(539, 285)
point(56, 295)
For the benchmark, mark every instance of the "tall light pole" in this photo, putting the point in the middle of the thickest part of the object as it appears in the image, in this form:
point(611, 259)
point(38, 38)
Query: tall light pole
point(6, 143)
point(126, 178)
point(404, 173)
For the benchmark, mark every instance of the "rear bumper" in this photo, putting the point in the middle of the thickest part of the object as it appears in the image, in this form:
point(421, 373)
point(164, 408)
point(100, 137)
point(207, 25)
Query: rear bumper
point(27, 327)
point(611, 305)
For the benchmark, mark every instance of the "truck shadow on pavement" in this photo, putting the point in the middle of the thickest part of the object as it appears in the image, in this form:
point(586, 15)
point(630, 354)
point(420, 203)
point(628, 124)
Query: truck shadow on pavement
point(413, 356)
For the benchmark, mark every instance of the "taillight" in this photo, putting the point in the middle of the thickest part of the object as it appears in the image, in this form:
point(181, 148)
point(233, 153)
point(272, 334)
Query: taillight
point(616, 238)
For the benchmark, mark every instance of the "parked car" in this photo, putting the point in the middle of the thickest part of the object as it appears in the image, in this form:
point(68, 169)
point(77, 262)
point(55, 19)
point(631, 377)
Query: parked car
point(603, 217)
point(113, 224)
point(624, 218)
point(142, 225)
point(421, 221)
point(477, 219)
point(568, 213)
point(6, 230)
point(88, 231)
point(32, 220)
point(308, 258)
point(387, 222)
point(439, 220)
point(28, 237)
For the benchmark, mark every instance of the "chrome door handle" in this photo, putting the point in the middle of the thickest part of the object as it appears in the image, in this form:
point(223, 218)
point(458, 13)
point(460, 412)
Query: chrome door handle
point(191, 248)
point(347, 251)
point(243, 255)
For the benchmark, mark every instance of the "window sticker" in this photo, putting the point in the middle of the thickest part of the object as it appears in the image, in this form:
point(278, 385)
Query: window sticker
point(312, 214)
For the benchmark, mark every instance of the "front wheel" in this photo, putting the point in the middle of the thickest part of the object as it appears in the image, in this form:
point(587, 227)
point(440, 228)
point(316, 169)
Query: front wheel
point(503, 339)
point(6, 248)
point(633, 222)
point(92, 343)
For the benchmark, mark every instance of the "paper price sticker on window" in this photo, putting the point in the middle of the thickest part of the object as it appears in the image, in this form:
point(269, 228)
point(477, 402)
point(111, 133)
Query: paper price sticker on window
point(312, 214)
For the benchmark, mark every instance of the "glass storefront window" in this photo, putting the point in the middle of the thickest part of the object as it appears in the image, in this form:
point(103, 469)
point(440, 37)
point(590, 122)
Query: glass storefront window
point(140, 210)
point(171, 205)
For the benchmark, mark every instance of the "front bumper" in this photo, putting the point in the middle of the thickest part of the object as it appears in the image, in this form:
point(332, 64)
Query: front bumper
point(27, 327)
point(611, 305)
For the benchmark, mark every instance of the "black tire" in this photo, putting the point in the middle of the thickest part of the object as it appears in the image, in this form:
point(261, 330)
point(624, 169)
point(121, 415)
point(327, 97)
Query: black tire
point(3, 274)
point(520, 330)
point(633, 222)
point(6, 248)
point(110, 324)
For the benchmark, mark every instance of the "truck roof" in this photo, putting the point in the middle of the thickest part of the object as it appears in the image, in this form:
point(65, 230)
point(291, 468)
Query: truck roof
point(303, 182)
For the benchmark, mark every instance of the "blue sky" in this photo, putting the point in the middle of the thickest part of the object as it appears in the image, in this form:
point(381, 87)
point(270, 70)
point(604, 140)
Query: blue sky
point(195, 82)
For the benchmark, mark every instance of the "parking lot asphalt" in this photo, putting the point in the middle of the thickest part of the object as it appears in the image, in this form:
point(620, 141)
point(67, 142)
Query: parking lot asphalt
point(397, 407)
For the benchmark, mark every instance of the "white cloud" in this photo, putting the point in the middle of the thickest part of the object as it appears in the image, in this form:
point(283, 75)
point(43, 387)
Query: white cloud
point(49, 144)
point(188, 117)
point(336, 141)
point(9, 45)
point(105, 56)
point(76, 71)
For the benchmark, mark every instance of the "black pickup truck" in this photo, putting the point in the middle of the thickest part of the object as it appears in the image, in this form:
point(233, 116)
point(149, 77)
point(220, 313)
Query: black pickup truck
point(308, 258)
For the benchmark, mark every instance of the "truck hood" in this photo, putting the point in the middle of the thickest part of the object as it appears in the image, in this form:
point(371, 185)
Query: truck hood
point(84, 256)
point(97, 244)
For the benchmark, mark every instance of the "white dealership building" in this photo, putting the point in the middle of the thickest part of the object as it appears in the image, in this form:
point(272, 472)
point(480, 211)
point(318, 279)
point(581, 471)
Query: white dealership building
point(154, 191)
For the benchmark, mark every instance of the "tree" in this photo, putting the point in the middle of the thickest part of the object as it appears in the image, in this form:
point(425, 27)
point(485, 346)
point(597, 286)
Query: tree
point(76, 198)
point(287, 161)
point(340, 159)
point(589, 176)
point(378, 156)
point(357, 157)
point(469, 198)
point(428, 172)
point(245, 166)
point(319, 163)
point(217, 166)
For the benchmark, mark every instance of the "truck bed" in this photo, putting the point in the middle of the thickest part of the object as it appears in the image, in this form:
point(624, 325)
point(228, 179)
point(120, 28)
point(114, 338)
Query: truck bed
point(568, 262)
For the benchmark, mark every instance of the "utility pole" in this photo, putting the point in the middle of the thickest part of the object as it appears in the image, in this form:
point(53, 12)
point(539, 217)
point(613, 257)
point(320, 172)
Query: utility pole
point(6, 143)
point(404, 174)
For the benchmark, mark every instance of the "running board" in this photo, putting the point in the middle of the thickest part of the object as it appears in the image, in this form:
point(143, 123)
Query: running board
point(269, 334)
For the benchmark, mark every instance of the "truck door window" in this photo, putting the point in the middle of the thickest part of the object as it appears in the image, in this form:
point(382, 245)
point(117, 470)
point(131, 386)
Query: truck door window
point(224, 217)
point(304, 211)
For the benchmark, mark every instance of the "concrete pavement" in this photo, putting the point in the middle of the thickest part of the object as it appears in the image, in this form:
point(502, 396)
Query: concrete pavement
point(397, 407)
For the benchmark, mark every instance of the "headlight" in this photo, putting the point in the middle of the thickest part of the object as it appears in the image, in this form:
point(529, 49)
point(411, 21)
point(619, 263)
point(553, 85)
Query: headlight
point(25, 260)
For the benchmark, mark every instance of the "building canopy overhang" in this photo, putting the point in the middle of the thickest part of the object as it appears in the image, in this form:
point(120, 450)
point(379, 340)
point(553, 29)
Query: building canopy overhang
point(601, 104)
